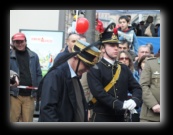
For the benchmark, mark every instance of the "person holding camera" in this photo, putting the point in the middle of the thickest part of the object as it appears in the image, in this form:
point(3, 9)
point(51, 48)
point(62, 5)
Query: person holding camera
point(14, 78)
point(26, 64)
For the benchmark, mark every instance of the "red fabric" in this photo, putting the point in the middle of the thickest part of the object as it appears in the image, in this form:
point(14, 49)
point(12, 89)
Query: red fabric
point(115, 31)
point(99, 26)
point(125, 30)
point(18, 36)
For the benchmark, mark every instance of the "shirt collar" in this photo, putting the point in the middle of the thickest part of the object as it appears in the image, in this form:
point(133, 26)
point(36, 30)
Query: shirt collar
point(73, 74)
point(110, 61)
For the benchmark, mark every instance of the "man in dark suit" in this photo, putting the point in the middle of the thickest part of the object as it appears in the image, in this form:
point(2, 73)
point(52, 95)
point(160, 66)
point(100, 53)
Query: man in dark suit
point(62, 96)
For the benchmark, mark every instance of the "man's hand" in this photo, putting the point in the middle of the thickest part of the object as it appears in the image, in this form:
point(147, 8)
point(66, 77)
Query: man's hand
point(16, 79)
point(129, 104)
point(156, 108)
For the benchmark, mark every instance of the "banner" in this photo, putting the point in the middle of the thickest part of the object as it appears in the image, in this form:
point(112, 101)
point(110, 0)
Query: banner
point(46, 43)
point(155, 41)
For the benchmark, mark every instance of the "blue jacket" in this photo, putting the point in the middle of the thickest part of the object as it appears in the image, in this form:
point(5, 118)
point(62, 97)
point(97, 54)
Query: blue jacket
point(34, 67)
point(131, 37)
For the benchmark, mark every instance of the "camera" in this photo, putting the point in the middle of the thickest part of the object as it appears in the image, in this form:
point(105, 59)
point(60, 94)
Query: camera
point(12, 80)
point(90, 105)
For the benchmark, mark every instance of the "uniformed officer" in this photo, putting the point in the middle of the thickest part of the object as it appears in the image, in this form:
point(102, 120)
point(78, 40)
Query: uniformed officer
point(111, 101)
point(150, 83)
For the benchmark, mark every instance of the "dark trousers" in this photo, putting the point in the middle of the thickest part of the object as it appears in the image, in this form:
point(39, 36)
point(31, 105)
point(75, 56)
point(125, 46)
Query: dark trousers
point(135, 118)
point(132, 117)
point(98, 117)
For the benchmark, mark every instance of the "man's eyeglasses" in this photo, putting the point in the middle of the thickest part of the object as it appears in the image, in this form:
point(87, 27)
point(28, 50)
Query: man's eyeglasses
point(18, 41)
point(122, 58)
point(144, 52)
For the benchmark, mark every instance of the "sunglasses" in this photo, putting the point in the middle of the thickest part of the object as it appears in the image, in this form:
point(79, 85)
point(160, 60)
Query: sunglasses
point(122, 58)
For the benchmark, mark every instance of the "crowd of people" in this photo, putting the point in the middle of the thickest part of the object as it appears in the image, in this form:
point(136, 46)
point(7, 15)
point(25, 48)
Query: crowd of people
point(113, 79)
point(142, 26)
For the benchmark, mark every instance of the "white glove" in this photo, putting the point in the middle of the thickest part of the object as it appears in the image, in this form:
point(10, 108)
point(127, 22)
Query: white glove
point(133, 111)
point(125, 104)
point(129, 104)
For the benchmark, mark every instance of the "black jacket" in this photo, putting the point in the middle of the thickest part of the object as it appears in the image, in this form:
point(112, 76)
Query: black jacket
point(58, 100)
point(111, 102)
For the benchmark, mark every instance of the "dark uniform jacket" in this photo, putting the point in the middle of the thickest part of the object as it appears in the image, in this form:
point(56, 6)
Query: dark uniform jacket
point(58, 100)
point(111, 102)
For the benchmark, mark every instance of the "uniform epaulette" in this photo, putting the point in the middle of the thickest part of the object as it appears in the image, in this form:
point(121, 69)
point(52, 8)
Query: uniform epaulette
point(151, 58)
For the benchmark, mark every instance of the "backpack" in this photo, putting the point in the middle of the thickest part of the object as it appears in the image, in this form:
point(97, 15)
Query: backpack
point(148, 31)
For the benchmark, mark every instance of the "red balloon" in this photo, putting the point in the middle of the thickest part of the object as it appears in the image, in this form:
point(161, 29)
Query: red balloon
point(82, 25)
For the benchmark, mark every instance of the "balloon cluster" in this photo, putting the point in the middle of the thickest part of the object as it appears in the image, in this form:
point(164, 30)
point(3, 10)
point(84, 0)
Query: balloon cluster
point(82, 25)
